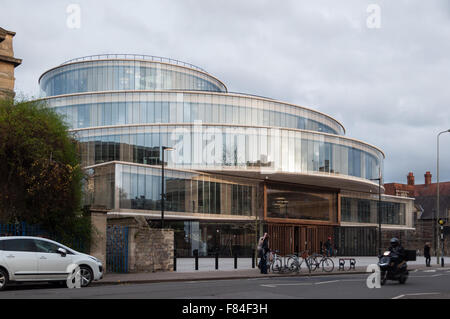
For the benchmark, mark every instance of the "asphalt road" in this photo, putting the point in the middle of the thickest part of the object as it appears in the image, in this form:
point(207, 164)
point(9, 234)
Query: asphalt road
point(421, 284)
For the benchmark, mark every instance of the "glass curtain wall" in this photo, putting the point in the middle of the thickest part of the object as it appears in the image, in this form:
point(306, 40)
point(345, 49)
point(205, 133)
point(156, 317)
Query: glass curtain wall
point(357, 210)
point(97, 76)
point(208, 147)
point(186, 192)
point(290, 202)
point(103, 109)
point(209, 238)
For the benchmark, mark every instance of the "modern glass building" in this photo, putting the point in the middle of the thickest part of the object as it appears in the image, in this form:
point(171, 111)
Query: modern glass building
point(240, 164)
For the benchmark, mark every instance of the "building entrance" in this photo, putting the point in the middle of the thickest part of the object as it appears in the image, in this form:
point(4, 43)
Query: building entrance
point(289, 239)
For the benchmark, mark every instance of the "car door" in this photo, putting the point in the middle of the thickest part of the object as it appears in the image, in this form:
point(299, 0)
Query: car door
point(20, 257)
point(51, 264)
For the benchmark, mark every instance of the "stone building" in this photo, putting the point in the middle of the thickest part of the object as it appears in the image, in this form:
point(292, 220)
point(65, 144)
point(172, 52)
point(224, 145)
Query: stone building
point(7, 64)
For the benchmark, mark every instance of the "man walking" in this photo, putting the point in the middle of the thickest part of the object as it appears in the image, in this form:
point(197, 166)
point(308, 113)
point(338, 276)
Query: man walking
point(426, 254)
point(328, 247)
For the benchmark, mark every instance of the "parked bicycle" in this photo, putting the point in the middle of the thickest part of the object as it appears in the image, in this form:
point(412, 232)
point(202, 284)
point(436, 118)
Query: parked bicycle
point(318, 260)
point(295, 261)
point(276, 262)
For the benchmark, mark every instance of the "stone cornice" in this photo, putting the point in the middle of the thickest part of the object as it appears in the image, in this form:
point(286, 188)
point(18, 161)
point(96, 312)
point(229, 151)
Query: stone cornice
point(16, 62)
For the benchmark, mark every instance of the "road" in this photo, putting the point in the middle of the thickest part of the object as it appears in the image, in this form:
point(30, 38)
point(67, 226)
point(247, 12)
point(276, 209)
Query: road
point(422, 283)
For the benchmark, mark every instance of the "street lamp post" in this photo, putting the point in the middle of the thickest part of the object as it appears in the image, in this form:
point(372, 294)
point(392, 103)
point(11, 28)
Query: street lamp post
point(163, 194)
point(379, 212)
point(437, 202)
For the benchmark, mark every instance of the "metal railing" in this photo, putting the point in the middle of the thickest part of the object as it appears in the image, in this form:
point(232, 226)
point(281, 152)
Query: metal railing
point(134, 57)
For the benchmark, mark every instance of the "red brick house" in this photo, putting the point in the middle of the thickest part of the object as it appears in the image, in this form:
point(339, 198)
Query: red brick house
point(425, 196)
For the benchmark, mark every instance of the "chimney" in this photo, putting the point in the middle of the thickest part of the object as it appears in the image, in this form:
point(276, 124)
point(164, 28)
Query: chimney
point(427, 178)
point(410, 178)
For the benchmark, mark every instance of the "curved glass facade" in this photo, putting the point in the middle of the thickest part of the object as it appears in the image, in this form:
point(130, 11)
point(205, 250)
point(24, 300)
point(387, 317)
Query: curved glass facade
point(122, 111)
point(115, 75)
point(94, 110)
point(201, 147)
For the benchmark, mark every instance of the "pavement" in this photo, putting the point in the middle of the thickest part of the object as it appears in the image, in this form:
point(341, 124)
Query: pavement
point(186, 271)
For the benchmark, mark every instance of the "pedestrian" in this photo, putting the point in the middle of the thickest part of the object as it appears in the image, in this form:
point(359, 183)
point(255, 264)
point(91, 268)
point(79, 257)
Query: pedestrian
point(329, 247)
point(264, 253)
point(426, 254)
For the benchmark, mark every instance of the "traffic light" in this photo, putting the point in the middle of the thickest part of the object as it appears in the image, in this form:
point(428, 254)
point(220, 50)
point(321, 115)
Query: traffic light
point(441, 221)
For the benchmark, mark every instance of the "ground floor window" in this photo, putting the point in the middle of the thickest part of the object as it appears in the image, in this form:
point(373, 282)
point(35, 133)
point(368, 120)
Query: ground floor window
point(358, 210)
point(287, 201)
point(209, 238)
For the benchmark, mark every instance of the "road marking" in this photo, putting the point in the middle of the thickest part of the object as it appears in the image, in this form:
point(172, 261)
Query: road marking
point(417, 294)
point(433, 270)
point(276, 285)
point(250, 279)
point(326, 282)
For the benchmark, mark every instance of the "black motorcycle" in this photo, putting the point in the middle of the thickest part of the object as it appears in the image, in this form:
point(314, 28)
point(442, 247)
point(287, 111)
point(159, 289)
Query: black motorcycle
point(392, 269)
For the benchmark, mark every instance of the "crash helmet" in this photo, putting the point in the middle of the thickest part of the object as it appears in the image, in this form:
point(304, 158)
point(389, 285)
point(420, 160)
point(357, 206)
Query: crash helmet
point(395, 242)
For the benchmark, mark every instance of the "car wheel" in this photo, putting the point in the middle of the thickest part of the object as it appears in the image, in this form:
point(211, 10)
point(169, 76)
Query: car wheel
point(86, 276)
point(3, 279)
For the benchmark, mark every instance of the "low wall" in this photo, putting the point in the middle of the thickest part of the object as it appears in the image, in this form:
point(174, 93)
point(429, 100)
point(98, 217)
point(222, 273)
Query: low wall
point(149, 249)
point(153, 249)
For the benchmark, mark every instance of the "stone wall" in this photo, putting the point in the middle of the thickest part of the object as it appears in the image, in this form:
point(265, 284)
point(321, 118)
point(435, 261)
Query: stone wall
point(149, 249)
point(154, 250)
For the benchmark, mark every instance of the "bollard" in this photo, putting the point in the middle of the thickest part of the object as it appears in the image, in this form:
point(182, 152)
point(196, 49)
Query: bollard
point(175, 260)
point(196, 259)
point(235, 261)
point(253, 259)
point(217, 261)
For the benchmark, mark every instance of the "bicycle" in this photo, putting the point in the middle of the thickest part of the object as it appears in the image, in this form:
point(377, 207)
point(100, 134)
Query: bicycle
point(276, 263)
point(326, 262)
point(295, 261)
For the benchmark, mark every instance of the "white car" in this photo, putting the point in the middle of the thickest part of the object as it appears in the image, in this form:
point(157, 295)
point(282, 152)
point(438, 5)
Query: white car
point(39, 259)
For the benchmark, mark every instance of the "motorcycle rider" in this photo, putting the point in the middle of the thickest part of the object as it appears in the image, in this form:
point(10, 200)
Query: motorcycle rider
point(396, 248)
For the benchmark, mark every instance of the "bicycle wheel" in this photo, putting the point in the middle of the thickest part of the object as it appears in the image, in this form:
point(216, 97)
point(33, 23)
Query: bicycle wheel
point(312, 263)
point(277, 265)
point(293, 263)
point(327, 264)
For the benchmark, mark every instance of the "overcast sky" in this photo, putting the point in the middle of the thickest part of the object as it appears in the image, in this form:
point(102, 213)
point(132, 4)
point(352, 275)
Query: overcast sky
point(385, 77)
